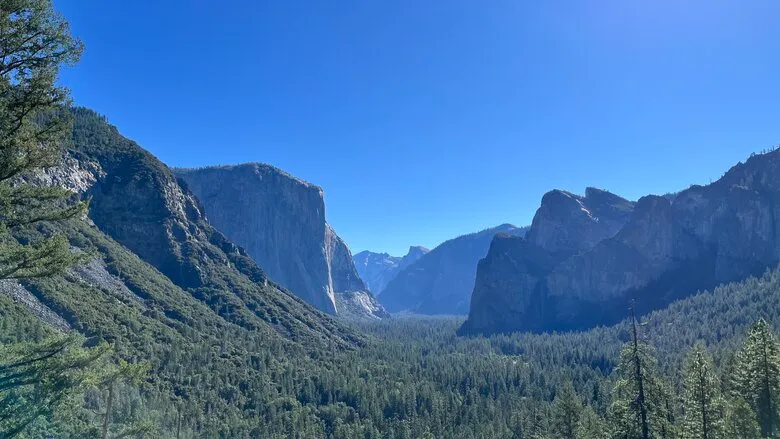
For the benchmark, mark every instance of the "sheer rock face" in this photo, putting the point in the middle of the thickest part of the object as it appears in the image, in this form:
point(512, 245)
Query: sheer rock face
point(442, 280)
point(352, 298)
point(280, 221)
point(277, 219)
point(665, 248)
point(566, 224)
point(513, 264)
point(378, 269)
point(137, 201)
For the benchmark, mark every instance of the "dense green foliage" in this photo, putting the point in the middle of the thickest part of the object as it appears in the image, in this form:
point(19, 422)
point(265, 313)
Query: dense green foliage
point(641, 401)
point(702, 399)
point(36, 379)
point(34, 42)
point(413, 377)
point(756, 377)
point(233, 356)
point(39, 379)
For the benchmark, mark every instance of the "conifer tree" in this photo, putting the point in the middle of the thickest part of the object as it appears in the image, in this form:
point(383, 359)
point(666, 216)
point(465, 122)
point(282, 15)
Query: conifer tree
point(703, 405)
point(741, 421)
point(591, 425)
point(567, 409)
point(107, 382)
point(757, 378)
point(38, 378)
point(34, 43)
point(639, 407)
point(34, 124)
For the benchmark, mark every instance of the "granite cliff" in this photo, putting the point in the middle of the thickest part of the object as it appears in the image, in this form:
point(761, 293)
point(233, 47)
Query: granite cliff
point(280, 221)
point(156, 255)
point(573, 272)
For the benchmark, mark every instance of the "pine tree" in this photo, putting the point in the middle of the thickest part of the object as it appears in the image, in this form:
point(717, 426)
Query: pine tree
point(741, 421)
point(34, 43)
point(38, 378)
point(107, 382)
point(591, 425)
point(567, 409)
point(757, 380)
point(703, 405)
point(640, 397)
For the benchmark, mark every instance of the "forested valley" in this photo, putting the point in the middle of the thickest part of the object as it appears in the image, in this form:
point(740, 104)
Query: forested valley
point(705, 364)
point(96, 341)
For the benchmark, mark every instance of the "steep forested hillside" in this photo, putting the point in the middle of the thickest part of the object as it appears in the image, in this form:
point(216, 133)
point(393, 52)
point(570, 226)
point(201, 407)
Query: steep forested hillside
point(136, 200)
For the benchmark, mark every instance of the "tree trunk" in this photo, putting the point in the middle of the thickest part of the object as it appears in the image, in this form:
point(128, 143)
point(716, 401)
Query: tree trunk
point(768, 390)
point(640, 383)
point(178, 424)
point(107, 416)
point(705, 427)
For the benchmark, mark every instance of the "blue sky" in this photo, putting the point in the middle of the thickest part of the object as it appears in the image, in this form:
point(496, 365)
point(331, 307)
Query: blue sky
point(426, 120)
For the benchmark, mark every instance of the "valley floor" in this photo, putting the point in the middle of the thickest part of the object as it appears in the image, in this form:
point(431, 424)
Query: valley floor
point(414, 377)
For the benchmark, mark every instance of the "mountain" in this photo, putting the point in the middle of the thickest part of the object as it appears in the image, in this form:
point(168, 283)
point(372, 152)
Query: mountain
point(566, 224)
point(280, 221)
point(137, 201)
point(440, 282)
point(286, 367)
point(661, 249)
point(378, 269)
point(163, 286)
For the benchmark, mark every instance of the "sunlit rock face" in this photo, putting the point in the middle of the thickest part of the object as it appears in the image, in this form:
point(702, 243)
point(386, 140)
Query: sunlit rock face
point(280, 221)
point(585, 259)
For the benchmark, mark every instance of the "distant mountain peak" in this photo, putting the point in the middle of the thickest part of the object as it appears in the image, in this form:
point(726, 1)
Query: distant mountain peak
point(417, 250)
point(378, 269)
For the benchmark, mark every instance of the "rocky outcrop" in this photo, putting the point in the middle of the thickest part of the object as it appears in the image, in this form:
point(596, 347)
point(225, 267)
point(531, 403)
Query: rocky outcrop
point(441, 281)
point(359, 305)
point(668, 248)
point(512, 264)
point(378, 269)
point(566, 223)
point(280, 221)
point(22, 295)
point(352, 298)
point(137, 201)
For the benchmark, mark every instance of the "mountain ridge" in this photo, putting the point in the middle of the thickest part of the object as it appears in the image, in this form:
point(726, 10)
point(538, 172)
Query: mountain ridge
point(668, 248)
point(378, 269)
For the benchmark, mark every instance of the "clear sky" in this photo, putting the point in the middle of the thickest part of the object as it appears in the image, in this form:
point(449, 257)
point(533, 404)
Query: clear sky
point(424, 120)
